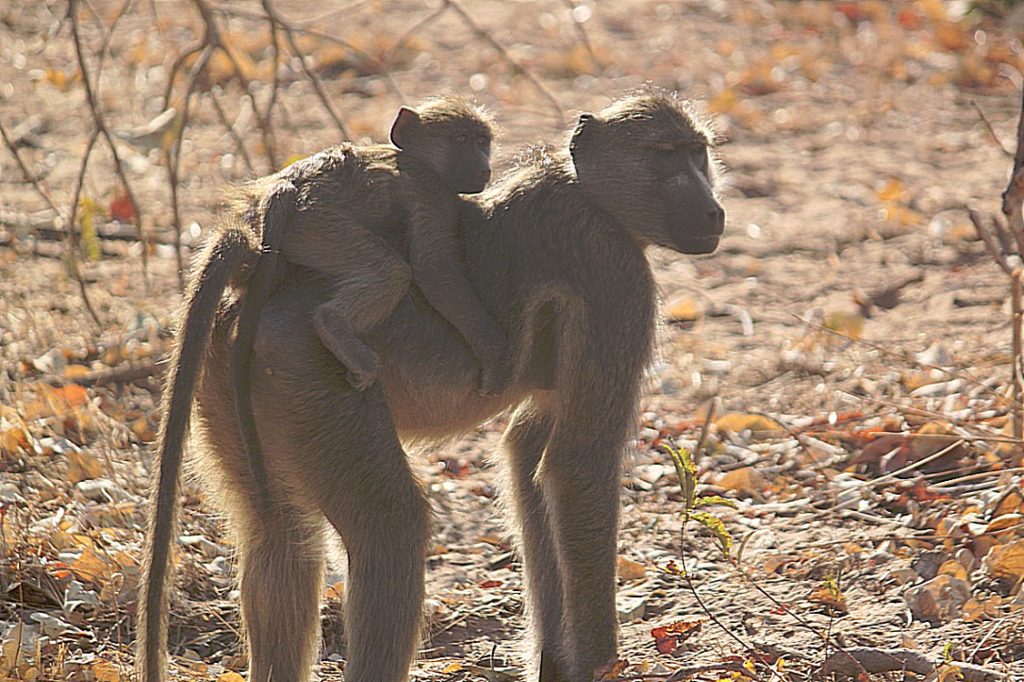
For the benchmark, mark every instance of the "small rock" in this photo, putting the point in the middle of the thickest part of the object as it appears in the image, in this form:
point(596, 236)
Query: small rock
point(927, 563)
point(630, 607)
point(939, 600)
point(101, 490)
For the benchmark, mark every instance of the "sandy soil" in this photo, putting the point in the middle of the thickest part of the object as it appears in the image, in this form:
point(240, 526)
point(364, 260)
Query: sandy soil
point(852, 139)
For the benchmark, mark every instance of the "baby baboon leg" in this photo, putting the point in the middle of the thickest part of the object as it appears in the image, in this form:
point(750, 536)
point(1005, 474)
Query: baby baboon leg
point(281, 568)
point(524, 444)
point(372, 499)
point(361, 301)
point(340, 338)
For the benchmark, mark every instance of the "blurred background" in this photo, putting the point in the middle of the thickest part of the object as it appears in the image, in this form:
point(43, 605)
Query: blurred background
point(853, 325)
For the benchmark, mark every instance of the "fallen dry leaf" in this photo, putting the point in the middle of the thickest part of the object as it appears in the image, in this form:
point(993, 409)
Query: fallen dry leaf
point(630, 570)
point(1006, 561)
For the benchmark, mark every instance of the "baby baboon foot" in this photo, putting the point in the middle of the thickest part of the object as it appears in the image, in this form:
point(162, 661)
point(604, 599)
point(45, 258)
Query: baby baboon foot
point(361, 380)
point(495, 378)
point(363, 369)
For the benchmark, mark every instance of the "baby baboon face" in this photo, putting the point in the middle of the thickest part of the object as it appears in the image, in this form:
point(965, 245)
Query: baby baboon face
point(645, 160)
point(453, 137)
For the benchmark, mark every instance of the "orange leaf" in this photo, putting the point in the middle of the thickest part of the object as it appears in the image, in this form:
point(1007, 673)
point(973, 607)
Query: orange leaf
point(668, 637)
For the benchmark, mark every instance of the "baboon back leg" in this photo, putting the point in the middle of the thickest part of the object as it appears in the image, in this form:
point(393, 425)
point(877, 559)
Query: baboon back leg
point(281, 569)
point(524, 443)
point(365, 488)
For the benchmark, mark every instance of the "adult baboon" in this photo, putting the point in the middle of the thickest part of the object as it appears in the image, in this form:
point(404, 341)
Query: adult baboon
point(556, 252)
point(325, 213)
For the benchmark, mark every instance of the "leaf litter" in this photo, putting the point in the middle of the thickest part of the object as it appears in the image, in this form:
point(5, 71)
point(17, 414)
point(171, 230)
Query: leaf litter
point(857, 338)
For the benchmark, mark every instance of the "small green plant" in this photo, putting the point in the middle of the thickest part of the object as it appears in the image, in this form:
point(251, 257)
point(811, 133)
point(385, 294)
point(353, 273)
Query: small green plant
point(693, 503)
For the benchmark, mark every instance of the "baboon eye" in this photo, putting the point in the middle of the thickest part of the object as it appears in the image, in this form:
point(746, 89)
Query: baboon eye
point(461, 139)
point(483, 141)
point(701, 157)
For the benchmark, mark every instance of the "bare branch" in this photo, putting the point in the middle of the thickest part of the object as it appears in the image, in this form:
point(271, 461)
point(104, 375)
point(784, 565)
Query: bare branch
point(516, 66)
point(72, 261)
point(223, 117)
point(580, 30)
point(102, 128)
point(991, 130)
point(318, 86)
point(1018, 358)
point(1013, 195)
point(990, 242)
point(172, 155)
point(857, 660)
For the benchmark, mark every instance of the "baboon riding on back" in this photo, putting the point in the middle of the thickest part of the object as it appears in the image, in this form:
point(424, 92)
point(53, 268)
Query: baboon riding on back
point(555, 252)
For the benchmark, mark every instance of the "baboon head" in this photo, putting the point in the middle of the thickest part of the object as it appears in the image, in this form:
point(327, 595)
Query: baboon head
point(452, 136)
point(645, 160)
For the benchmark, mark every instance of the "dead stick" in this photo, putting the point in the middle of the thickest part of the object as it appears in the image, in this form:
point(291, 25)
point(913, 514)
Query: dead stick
point(856, 660)
point(101, 125)
point(1018, 377)
point(72, 261)
point(172, 154)
point(1013, 195)
point(504, 54)
point(991, 130)
point(990, 242)
point(222, 115)
point(318, 86)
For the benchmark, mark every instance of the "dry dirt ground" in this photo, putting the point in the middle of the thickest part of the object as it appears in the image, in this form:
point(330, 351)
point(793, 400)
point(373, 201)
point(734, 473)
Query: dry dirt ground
point(852, 138)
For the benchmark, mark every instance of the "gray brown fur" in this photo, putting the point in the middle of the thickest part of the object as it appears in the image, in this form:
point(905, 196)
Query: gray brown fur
point(556, 253)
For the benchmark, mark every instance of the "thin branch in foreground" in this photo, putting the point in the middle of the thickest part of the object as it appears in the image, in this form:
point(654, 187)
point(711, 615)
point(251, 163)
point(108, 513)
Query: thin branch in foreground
point(989, 240)
point(72, 259)
point(581, 31)
point(223, 117)
point(1013, 195)
point(318, 86)
point(857, 660)
point(172, 156)
point(508, 58)
point(990, 129)
point(1018, 370)
point(212, 38)
point(101, 126)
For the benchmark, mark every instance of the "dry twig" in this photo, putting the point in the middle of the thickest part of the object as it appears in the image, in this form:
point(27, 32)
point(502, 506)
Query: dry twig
point(72, 257)
point(990, 129)
point(504, 54)
point(101, 126)
point(857, 660)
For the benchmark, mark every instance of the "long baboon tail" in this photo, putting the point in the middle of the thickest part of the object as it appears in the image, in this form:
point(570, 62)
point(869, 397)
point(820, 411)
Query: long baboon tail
point(220, 260)
point(276, 210)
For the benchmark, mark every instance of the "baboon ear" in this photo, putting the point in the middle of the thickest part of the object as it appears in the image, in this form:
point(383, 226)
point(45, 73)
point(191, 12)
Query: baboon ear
point(586, 129)
point(404, 126)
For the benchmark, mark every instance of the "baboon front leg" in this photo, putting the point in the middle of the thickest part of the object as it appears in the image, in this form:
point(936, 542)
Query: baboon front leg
point(370, 496)
point(524, 444)
point(281, 569)
point(580, 473)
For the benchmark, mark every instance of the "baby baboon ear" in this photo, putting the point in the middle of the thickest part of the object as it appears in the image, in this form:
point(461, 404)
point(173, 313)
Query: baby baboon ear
point(582, 139)
point(404, 127)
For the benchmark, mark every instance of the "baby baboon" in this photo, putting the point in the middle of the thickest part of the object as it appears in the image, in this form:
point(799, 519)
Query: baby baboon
point(556, 251)
point(313, 217)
